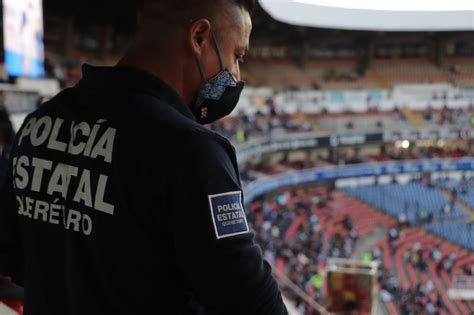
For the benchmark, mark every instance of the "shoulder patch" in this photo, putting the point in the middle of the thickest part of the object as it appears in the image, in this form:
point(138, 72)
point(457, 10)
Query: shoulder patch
point(228, 214)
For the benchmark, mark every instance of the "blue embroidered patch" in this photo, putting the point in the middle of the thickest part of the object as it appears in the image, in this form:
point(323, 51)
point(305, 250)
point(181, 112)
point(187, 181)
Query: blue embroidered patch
point(228, 214)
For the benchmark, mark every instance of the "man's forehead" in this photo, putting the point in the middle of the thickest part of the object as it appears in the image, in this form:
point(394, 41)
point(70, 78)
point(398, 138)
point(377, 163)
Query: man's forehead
point(236, 21)
point(239, 38)
point(246, 22)
point(243, 29)
point(247, 31)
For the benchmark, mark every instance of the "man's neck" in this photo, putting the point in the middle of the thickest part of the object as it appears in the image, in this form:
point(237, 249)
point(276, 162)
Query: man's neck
point(169, 71)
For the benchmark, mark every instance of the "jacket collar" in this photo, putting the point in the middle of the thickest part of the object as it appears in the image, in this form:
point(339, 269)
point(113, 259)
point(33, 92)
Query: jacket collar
point(131, 78)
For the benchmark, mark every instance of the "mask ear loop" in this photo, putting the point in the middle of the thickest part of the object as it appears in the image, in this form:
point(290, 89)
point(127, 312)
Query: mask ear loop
point(201, 69)
point(199, 62)
point(217, 50)
point(219, 57)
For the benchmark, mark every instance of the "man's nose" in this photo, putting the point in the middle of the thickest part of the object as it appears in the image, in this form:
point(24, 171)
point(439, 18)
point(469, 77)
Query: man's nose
point(236, 73)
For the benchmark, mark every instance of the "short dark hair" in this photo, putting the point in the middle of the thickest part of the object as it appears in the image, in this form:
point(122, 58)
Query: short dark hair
point(170, 13)
point(172, 5)
point(174, 9)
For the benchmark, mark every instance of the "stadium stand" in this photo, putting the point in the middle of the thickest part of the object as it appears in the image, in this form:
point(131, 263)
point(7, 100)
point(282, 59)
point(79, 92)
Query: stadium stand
point(456, 232)
point(300, 228)
point(416, 202)
point(337, 74)
point(461, 189)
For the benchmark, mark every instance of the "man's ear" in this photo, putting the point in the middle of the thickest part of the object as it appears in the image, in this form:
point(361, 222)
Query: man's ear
point(199, 36)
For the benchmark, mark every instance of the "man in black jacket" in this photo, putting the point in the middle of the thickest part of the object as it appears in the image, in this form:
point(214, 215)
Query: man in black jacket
point(119, 201)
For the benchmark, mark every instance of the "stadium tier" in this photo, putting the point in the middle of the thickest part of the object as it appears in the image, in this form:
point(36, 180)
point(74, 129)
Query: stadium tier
point(414, 201)
point(456, 232)
point(462, 188)
point(301, 228)
point(337, 74)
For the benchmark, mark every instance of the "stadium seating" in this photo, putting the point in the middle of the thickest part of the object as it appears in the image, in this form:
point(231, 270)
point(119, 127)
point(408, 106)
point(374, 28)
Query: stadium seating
point(457, 232)
point(411, 198)
point(364, 123)
point(409, 70)
point(465, 194)
point(342, 74)
point(454, 228)
point(411, 277)
point(396, 260)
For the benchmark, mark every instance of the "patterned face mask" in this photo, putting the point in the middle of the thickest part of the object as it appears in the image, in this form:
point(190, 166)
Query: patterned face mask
point(218, 96)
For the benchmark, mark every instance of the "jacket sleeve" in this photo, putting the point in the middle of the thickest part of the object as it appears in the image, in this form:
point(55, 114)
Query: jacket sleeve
point(11, 257)
point(214, 247)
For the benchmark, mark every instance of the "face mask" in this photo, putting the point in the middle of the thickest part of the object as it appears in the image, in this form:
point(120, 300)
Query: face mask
point(218, 96)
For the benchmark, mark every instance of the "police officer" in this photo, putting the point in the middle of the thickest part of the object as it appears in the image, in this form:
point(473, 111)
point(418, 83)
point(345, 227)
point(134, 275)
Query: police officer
point(119, 201)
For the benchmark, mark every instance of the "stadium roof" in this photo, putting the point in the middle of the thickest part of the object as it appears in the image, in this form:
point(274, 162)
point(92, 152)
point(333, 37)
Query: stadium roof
point(375, 15)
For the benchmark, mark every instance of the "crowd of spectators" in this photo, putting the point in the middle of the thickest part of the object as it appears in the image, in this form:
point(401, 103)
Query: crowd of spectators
point(347, 156)
point(292, 228)
point(417, 299)
point(268, 122)
point(413, 300)
point(422, 297)
point(288, 226)
point(247, 126)
point(447, 116)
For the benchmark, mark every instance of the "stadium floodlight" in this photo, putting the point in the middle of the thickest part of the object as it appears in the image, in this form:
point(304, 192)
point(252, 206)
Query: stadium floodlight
point(375, 15)
point(405, 144)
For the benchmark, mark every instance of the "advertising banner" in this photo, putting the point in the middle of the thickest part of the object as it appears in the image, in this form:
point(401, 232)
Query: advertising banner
point(23, 38)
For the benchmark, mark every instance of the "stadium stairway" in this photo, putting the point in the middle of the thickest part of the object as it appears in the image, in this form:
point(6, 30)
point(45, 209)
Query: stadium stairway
point(413, 118)
point(376, 77)
point(387, 265)
point(459, 202)
point(391, 308)
point(294, 227)
point(368, 242)
point(367, 216)
point(402, 245)
point(317, 127)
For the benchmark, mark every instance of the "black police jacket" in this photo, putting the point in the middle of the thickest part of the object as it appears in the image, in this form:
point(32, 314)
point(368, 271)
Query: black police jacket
point(118, 202)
